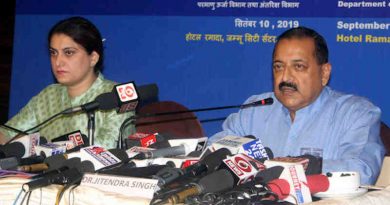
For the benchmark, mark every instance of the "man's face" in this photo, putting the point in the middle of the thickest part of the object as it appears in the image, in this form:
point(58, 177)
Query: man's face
point(298, 79)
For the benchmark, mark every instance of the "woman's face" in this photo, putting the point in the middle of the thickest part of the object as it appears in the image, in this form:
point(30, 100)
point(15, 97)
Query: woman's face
point(70, 62)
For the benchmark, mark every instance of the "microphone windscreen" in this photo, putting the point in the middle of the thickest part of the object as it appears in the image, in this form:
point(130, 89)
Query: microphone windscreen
point(55, 161)
point(87, 166)
point(107, 101)
point(269, 174)
point(268, 101)
point(74, 162)
point(280, 187)
point(217, 181)
point(269, 152)
point(214, 159)
point(317, 183)
point(13, 149)
point(8, 163)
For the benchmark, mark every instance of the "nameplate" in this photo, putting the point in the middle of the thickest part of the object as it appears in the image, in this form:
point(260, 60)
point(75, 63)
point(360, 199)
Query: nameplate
point(129, 186)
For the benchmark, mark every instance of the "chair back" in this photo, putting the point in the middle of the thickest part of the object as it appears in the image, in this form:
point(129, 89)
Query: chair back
point(385, 136)
point(384, 175)
point(179, 125)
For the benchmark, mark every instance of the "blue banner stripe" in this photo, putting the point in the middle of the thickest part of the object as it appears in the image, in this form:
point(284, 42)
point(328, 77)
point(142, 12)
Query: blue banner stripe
point(275, 8)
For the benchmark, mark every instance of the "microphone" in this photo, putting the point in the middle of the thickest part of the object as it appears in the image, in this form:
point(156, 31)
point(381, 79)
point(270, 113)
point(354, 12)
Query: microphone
point(105, 101)
point(67, 143)
point(31, 160)
point(147, 93)
point(127, 97)
point(132, 119)
point(68, 176)
point(256, 189)
point(280, 187)
point(22, 147)
point(8, 163)
point(130, 171)
point(102, 158)
point(269, 174)
point(208, 164)
point(242, 167)
point(317, 183)
point(81, 166)
point(139, 139)
point(48, 164)
point(50, 149)
point(217, 181)
point(123, 97)
point(294, 174)
point(76, 137)
point(57, 164)
point(14, 149)
point(142, 94)
point(262, 178)
point(12, 163)
point(249, 145)
point(124, 161)
point(164, 152)
point(267, 101)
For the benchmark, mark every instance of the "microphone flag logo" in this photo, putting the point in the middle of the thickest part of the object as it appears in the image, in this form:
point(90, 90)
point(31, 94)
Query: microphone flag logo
point(126, 92)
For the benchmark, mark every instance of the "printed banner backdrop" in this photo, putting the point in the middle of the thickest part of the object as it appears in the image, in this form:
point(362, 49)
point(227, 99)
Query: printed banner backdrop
point(208, 53)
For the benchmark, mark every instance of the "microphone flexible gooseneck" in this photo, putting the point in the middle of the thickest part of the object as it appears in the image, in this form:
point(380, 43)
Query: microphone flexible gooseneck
point(267, 101)
point(132, 119)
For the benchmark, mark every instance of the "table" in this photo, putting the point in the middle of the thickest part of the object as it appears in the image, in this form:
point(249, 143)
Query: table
point(84, 195)
point(81, 195)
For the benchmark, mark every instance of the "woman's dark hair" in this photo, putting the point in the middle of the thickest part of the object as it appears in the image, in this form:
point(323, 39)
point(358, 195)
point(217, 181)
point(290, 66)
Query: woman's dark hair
point(321, 48)
point(83, 32)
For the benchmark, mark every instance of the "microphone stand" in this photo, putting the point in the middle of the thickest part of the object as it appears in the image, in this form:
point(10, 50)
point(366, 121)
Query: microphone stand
point(91, 126)
point(127, 122)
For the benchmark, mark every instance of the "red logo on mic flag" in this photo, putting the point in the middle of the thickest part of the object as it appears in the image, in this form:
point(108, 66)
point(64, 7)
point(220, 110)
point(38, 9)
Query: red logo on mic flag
point(126, 92)
point(76, 138)
point(242, 164)
point(243, 167)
